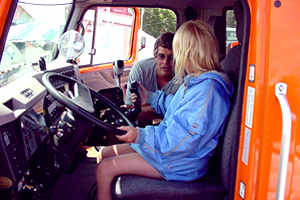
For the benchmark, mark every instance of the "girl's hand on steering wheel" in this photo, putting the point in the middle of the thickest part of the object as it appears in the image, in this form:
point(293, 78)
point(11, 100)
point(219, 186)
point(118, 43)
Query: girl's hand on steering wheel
point(130, 136)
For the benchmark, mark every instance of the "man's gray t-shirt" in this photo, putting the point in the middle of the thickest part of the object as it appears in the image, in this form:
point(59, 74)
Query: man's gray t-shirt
point(144, 72)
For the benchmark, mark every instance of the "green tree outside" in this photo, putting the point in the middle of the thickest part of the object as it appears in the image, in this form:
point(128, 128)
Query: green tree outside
point(158, 20)
point(230, 19)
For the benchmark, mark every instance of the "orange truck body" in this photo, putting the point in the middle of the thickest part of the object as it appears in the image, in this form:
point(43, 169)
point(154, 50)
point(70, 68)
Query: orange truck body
point(273, 56)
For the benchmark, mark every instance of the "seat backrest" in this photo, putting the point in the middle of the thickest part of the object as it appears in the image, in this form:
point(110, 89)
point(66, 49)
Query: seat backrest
point(230, 143)
point(232, 129)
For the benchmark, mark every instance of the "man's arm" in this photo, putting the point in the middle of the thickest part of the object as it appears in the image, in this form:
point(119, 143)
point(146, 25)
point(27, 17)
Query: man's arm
point(159, 101)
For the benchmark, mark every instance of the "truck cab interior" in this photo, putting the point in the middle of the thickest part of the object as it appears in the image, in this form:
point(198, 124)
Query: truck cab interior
point(53, 111)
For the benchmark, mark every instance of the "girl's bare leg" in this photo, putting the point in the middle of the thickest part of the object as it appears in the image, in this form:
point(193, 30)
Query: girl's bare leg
point(116, 150)
point(128, 163)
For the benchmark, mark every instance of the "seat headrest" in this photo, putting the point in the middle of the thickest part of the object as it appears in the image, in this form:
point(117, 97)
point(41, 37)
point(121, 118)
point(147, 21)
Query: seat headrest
point(238, 12)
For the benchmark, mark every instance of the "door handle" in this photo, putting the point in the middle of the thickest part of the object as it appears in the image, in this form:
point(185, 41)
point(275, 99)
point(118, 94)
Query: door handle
point(280, 92)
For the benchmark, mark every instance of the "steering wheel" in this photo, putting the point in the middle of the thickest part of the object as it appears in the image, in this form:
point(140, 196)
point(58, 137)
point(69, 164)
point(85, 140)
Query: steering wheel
point(79, 98)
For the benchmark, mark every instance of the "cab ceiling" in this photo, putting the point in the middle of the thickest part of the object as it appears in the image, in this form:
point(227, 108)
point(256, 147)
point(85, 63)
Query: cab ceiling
point(210, 4)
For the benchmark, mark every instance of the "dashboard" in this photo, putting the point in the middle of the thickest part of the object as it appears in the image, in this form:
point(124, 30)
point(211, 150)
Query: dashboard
point(40, 139)
point(27, 113)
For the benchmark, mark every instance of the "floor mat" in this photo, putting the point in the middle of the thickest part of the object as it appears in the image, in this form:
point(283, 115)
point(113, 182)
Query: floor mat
point(76, 186)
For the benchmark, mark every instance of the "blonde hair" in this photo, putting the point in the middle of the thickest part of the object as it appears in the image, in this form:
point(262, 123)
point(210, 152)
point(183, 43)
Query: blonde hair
point(195, 49)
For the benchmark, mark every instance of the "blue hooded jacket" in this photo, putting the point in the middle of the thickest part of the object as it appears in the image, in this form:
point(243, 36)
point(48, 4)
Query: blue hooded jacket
point(181, 145)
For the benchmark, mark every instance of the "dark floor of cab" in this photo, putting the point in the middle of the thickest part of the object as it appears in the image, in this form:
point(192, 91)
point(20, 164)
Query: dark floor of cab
point(76, 185)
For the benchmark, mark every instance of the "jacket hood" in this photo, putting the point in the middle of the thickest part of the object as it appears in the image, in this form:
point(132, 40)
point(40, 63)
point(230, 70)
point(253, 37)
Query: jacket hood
point(220, 77)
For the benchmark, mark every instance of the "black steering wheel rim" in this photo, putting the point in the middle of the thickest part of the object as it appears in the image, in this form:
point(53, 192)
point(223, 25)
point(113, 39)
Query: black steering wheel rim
point(80, 105)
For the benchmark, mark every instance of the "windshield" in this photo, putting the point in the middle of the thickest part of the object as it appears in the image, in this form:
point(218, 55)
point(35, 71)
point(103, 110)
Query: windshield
point(34, 33)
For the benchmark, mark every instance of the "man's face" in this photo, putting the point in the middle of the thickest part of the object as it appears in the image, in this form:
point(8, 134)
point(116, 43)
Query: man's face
point(164, 60)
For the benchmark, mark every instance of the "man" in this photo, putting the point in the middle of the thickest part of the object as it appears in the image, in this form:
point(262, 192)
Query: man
point(154, 73)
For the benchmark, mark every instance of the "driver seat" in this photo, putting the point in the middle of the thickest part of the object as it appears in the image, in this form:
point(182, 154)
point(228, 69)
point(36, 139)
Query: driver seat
point(219, 181)
point(217, 184)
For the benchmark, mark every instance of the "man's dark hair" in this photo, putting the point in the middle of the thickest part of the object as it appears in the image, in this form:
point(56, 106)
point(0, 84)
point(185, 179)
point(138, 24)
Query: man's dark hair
point(165, 40)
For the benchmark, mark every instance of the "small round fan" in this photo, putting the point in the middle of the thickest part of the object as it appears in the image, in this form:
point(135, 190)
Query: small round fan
point(71, 44)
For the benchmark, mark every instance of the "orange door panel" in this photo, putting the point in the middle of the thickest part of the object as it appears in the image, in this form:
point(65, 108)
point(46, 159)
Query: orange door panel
point(273, 59)
point(4, 11)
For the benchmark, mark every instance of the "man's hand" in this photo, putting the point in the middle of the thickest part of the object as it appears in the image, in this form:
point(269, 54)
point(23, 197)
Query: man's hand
point(130, 136)
point(143, 95)
point(133, 97)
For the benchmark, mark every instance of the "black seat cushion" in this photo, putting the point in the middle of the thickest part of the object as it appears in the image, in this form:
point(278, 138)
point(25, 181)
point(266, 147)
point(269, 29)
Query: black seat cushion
point(142, 188)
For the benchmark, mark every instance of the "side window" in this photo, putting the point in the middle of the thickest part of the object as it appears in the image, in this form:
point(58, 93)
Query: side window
point(154, 21)
point(107, 34)
point(109, 30)
point(231, 38)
